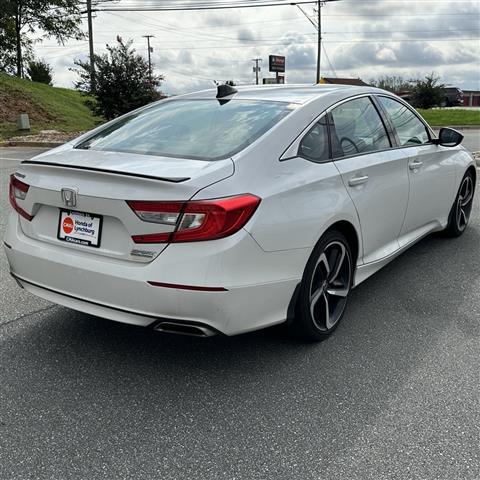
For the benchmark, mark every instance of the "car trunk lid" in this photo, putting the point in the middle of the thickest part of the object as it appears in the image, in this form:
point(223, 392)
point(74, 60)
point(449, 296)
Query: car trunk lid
point(101, 183)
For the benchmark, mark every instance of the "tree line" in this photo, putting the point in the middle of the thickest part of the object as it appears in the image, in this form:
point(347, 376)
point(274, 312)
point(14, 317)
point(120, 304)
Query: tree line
point(422, 93)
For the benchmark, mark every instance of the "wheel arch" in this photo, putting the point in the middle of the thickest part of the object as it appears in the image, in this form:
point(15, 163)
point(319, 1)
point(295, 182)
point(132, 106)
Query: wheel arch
point(349, 231)
point(471, 169)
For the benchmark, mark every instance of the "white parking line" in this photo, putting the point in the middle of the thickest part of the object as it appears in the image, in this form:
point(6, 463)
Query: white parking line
point(13, 159)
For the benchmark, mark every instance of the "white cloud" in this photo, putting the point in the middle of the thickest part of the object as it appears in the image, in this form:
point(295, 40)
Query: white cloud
point(386, 55)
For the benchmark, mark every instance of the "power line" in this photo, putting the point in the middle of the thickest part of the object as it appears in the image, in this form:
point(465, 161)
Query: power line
point(314, 43)
point(187, 30)
point(203, 6)
point(279, 44)
point(329, 62)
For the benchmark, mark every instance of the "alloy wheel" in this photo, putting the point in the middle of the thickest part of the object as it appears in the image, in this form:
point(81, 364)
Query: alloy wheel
point(330, 285)
point(464, 203)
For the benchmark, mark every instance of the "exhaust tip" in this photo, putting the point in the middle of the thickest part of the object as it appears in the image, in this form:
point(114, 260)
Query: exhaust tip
point(180, 328)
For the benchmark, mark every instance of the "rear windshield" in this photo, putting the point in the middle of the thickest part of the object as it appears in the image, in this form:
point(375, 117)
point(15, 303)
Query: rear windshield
point(199, 129)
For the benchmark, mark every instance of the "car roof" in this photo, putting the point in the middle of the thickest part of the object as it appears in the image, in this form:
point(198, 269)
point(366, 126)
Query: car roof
point(286, 93)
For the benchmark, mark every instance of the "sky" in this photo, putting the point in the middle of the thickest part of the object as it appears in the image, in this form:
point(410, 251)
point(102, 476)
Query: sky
point(362, 39)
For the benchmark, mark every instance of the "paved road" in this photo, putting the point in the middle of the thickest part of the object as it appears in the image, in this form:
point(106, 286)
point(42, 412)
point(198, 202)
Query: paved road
point(394, 394)
point(471, 139)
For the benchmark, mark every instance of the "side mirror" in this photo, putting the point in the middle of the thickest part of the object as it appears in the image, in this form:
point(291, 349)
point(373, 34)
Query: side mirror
point(448, 137)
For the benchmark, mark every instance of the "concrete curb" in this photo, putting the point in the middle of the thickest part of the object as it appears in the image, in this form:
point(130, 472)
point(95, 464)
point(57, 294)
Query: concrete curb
point(12, 143)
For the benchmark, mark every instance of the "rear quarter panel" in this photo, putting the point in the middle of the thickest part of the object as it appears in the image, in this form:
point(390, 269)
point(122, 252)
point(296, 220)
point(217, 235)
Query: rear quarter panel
point(299, 203)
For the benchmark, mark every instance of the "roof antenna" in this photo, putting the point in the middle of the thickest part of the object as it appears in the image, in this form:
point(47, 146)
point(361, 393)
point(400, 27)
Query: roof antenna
point(225, 90)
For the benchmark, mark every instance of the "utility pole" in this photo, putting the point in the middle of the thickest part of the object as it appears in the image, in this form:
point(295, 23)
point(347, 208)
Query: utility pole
point(150, 50)
point(318, 25)
point(256, 68)
point(319, 40)
point(90, 44)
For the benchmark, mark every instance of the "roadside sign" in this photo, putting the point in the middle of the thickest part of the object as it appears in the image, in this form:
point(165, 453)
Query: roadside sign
point(274, 81)
point(276, 63)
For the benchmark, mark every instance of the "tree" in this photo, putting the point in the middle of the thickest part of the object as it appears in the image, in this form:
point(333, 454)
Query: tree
point(122, 81)
point(40, 71)
point(391, 83)
point(427, 93)
point(8, 58)
point(55, 18)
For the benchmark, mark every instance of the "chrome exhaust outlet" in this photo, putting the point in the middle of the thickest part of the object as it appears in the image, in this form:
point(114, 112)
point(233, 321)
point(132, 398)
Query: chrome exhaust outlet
point(180, 328)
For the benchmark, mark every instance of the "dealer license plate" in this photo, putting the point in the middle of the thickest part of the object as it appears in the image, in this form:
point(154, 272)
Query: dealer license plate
point(80, 228)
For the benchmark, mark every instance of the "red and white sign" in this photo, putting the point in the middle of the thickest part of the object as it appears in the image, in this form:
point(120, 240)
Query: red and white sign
point(80, 228)
point(276, 63)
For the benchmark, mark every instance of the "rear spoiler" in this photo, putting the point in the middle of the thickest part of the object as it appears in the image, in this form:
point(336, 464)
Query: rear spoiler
point(103, 170)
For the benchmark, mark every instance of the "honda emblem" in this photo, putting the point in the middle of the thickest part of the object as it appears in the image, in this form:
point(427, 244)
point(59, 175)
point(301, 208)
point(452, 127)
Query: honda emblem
point(69, 197)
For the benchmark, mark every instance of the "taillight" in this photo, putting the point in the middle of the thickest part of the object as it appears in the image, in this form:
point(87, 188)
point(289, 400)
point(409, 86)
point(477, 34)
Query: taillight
point(196, 220)
point(18, 191)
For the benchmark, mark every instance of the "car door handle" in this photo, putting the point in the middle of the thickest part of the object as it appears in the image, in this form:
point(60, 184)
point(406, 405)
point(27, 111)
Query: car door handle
point(415, 165)
point(355, 181)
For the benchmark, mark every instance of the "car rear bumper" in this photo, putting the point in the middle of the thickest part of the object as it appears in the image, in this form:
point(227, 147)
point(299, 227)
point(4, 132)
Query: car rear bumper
point(257, 290)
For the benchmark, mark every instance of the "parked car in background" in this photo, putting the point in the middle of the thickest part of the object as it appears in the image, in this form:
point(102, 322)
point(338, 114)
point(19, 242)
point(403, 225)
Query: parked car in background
point(452, 97)
point(233, 210)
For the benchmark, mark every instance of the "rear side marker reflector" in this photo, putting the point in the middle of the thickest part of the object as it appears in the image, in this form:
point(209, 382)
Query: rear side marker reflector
point(18, 191)
point(196, 220)
point(188, 287)
point(152, 238)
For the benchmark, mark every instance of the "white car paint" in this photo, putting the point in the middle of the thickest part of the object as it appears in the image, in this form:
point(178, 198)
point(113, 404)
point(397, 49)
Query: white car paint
point(259, 266)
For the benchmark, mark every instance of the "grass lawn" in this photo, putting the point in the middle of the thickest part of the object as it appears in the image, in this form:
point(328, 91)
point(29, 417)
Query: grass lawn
point(49, 108)
point(440, 117)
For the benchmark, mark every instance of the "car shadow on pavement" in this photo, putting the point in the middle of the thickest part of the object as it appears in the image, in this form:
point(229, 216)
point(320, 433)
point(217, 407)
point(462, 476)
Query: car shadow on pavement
point(224, 398)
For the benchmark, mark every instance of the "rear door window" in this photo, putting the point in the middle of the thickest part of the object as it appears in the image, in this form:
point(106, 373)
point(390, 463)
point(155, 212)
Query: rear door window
point(357, 128)
point(410, 129)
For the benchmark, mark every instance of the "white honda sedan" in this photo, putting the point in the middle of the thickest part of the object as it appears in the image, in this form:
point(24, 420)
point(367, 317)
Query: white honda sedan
point(231, 210)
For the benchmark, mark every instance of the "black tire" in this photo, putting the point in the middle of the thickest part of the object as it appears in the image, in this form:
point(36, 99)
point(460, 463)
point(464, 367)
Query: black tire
point(325, 287)
point(462, 207)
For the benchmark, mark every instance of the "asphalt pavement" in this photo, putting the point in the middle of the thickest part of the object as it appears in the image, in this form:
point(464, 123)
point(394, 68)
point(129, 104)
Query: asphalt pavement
point(394, 394)
point(471, 139)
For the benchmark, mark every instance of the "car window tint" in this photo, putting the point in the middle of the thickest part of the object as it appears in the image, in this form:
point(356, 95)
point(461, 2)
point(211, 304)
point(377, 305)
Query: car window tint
point(314, 145)
point(358, 128)
point(410, 130)
point(199, 129)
